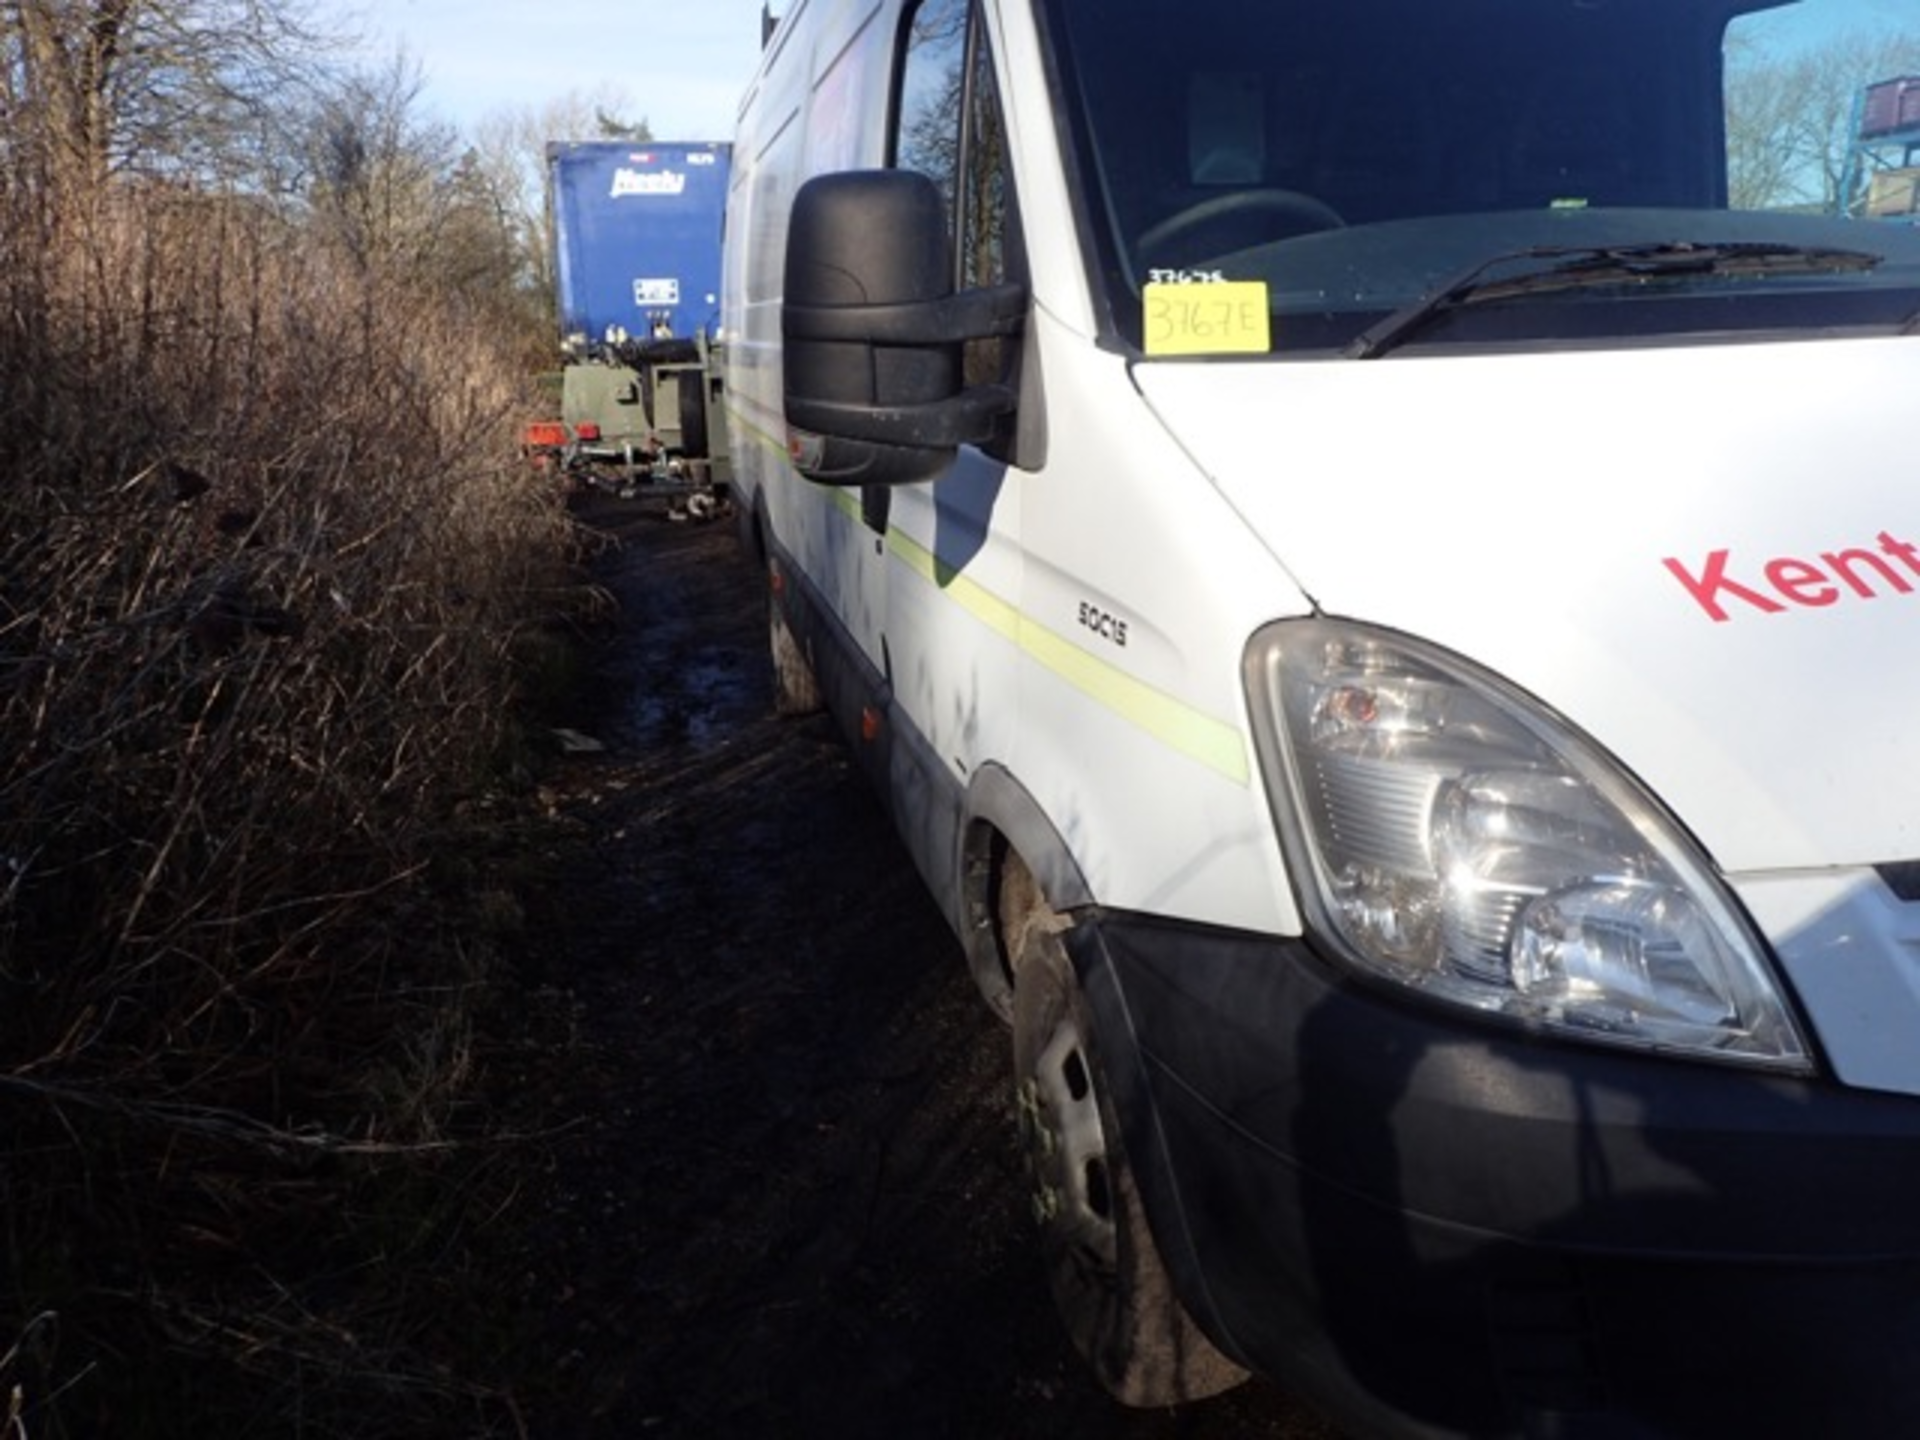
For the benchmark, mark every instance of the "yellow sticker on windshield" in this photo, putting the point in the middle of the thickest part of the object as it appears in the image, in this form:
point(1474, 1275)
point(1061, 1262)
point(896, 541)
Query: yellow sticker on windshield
point(1224, 318)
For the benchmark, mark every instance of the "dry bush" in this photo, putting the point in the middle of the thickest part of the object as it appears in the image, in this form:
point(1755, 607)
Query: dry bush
point(267, 552)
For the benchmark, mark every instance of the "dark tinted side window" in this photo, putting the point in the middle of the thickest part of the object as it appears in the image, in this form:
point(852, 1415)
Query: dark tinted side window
point(949, 126)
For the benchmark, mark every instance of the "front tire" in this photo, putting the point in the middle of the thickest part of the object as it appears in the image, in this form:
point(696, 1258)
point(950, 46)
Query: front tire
point(1111, 1286)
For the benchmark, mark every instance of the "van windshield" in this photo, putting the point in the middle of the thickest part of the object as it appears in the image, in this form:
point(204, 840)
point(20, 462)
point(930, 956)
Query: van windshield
point(1407, 168)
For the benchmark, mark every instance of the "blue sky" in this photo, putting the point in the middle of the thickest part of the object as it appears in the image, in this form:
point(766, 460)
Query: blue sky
point(682, 64)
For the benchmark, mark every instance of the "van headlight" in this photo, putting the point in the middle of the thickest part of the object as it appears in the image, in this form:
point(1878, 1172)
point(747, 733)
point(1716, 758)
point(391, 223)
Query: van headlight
point(1452, 836)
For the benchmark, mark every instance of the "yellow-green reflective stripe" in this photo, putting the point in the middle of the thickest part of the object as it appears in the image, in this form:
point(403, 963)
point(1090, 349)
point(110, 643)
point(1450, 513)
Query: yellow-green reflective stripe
point(978, 601)
point(764, 436)
point(1214, 743)
point(1198, 736)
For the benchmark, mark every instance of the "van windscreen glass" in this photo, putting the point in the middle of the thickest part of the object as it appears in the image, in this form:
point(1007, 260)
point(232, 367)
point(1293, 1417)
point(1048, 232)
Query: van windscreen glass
point(1350, 163)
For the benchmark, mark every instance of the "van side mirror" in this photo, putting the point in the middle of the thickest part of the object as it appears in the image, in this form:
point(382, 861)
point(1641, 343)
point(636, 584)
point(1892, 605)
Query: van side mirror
point(872, 332)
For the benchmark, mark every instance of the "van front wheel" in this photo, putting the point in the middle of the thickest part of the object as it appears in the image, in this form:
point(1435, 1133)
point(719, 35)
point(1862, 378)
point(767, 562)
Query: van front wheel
point(1108, 1280)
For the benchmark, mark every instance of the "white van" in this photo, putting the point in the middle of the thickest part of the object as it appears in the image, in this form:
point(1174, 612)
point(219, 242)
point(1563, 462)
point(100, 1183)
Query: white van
point(1373, 552)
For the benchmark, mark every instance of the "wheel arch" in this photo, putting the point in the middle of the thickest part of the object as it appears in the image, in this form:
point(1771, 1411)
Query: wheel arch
point(1005, 825)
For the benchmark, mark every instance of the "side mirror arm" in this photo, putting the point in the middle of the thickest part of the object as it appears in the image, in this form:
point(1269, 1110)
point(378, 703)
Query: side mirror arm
point(966, 315)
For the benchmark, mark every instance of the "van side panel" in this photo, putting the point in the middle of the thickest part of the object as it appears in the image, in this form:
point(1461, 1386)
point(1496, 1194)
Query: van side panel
point(820, 107)
point(1086, 659)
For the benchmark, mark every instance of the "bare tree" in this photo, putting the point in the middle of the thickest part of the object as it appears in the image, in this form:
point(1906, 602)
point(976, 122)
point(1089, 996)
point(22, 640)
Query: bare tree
point(510, 146)
point(379, 173)
point(936, 80)
point(405, 194)
point(179, 87)
point(1791, 116)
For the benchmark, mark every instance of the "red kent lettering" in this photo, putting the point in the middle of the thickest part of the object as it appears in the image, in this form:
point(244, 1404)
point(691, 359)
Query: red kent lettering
point(1889, 566)
point(1707, 587)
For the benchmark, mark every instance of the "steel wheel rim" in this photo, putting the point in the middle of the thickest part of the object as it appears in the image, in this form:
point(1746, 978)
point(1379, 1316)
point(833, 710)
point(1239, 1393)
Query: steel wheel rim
point(1067, 1147)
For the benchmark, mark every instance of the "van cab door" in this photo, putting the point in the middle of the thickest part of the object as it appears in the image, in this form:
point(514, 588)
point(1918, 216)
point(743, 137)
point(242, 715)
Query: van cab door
point(953, 562)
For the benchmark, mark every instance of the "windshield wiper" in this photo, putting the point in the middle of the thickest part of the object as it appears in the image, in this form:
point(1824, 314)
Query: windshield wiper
point(1584, 265)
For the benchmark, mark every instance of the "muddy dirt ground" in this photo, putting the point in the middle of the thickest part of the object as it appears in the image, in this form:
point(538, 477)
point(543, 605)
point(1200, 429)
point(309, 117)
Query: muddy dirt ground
point(786, 1199)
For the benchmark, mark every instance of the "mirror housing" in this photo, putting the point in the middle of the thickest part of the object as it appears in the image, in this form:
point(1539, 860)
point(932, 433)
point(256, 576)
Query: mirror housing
point(872, 333)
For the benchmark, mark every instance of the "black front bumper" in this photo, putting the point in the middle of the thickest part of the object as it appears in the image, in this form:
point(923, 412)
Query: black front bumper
point(1438, 1227)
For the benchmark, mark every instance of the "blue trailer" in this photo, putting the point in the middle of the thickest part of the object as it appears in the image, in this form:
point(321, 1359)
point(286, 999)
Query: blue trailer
point(637, 243)
point(637, 237)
